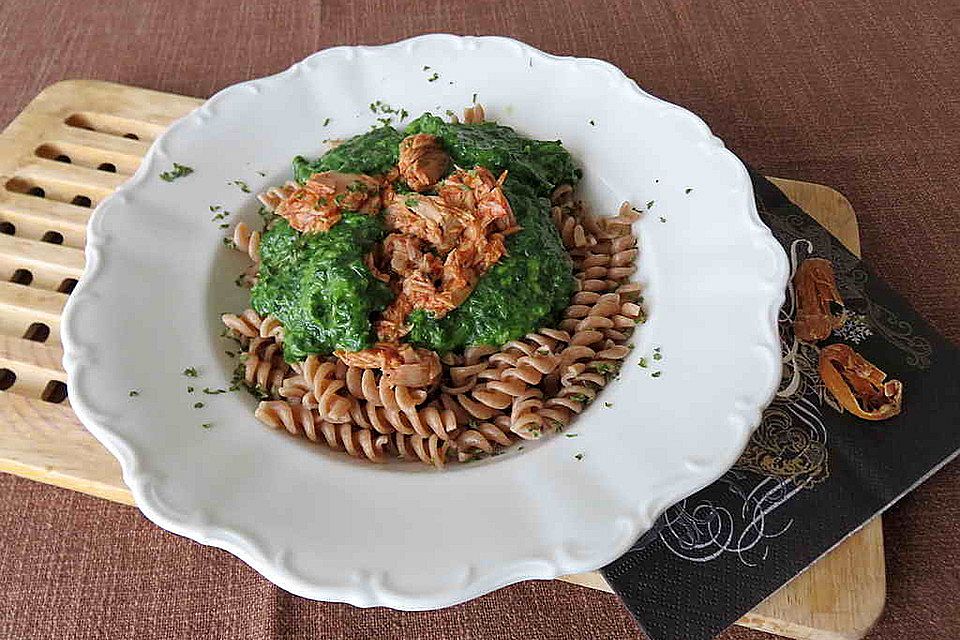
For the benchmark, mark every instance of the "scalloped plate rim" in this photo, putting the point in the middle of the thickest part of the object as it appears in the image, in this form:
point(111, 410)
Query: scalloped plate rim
point(141, 486)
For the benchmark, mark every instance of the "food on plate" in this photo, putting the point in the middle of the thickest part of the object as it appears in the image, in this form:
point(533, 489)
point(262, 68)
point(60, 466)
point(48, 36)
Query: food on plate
point(858, 385)
point(433, 294)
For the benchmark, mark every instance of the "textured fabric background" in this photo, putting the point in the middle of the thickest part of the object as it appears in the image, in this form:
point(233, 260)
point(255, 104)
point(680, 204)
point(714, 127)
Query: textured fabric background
point(864, 97)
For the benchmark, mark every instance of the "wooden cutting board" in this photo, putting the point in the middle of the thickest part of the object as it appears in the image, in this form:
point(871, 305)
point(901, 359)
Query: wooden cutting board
point(78, 141)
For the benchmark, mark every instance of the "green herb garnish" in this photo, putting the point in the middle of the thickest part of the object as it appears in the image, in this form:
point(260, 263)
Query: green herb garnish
point(608, 404)
point(411, 202)
point(434, 77)
point(579, 456)
point(243, 185)
point(198, 405)
point(179, 171)
point(592, 123)
point(133, 393)
point(571, 435)
point(643, 362)
point(650, 204)
point(688, 190)
point(656, 374)
point(206, 425)
point(190, 372)
point(213, 392)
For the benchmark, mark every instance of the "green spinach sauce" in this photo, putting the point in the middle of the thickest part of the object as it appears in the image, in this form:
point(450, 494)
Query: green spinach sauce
point(319, 288)
point(317, 285)
point(373, 152)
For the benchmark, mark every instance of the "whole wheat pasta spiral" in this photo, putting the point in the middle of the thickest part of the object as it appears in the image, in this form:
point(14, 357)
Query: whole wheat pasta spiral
point(482, 390)
point(357, 442)
point(250, 325)
point(525, 418)
point(245, 325)
point(298, 420)
point(264, 367)
point(270, 327)
point(462, 370)
point(422, 421)
point(363, 385)
point(247, 240)
point(482, 438)
point(295, 418)
point(427, 449)
point(295, 389)
point(332, 404)
point(474, 114)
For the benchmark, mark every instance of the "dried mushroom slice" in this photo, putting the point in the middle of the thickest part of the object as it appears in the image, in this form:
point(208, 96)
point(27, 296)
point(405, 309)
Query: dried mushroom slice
point(819, 305)
point(858, 385)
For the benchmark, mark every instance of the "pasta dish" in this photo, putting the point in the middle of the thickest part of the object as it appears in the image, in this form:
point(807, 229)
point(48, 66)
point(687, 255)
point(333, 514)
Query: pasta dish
point(434, 294)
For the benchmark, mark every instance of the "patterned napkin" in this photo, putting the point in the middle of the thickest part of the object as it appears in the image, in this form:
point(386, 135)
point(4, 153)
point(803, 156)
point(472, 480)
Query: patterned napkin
point(812, 474)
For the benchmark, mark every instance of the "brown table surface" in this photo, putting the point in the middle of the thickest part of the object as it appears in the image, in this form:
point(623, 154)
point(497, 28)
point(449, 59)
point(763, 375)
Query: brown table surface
point(864, 98)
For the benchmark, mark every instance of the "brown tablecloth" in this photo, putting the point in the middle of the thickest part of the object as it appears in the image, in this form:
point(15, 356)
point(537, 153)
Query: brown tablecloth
point(864, 97)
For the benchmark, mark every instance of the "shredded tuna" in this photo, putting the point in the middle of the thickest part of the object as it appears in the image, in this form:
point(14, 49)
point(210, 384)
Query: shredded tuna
point(429, 218)
point(441, 245)
point(370, 261)
point(422, 161)
point(320, 202)
point(476, 190)
point(420, 368)
point(401, 364)
point(392, 324)
point(382, 356)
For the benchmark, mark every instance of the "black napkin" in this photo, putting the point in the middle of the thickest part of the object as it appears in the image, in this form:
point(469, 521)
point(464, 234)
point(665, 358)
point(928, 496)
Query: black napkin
point(811, 475)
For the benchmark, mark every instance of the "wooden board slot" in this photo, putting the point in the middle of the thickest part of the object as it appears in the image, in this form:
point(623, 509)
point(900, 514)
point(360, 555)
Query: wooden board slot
point(84, 156)
point(115, 125)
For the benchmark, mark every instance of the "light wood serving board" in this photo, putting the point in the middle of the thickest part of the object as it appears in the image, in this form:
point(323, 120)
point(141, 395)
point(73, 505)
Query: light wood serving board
point(78, 141)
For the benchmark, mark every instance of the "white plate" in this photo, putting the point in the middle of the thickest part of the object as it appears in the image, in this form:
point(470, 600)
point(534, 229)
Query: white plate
point(327, 527)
